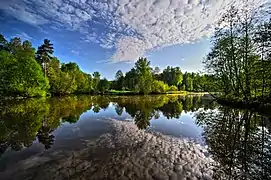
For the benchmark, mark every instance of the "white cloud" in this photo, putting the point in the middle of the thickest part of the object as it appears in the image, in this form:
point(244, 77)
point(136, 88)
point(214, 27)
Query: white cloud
point(24, 36)
point(75, 52)
point(132, 28)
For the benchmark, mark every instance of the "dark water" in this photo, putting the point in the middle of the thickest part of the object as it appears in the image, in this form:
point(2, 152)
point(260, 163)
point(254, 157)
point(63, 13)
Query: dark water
point(238, 139)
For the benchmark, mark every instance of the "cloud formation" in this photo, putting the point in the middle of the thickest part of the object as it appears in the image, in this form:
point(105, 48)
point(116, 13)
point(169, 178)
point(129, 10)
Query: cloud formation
point(24, 36)
point(131, 28)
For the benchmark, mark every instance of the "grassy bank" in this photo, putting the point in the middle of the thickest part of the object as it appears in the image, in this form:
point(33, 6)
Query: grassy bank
point(112, 92)
point(116, 92)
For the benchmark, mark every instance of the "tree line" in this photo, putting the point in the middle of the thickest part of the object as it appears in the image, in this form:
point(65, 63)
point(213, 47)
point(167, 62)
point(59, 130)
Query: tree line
point(142, 78)
point(240, 59)
point(28, 72)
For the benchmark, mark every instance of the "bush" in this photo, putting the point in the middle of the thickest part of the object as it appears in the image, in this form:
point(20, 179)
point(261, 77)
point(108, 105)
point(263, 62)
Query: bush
point(159, 87)
point(173, 88)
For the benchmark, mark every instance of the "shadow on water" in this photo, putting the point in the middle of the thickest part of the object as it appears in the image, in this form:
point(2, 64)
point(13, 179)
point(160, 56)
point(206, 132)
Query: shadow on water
point(239, 140)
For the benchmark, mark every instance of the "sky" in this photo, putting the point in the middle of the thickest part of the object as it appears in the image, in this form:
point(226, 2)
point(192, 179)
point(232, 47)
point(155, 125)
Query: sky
point(108, 35)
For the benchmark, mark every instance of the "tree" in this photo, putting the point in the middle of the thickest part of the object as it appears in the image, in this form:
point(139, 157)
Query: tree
point(119, 80)
point(262, 38)
point(20, 73)
point(237, 57)
point(61, 82)
point(156, 70)
point(144, 76)
point(130, 79)
point(3, 43)
point(70, 67)
point(156, 73)
point(96, 80)
point(103, 85)
point(172, 76)
point(188, 81)
point(44, 53)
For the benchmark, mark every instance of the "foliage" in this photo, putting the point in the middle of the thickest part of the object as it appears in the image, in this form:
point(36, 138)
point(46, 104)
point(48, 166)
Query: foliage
point(96, 80)
point(159, 87)
point(23, 77)
point(240, 57)
point(20, 73)
point(44, 54)
point(103, 86)
point(119, 82)
point(144, 79)
point(144, 76)
point(130, 79)
point(172, 76)
point(173, 88)
point(3, 43)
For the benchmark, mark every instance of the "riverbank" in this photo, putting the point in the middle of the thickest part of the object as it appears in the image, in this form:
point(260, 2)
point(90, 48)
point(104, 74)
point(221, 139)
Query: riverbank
point(115, 92)
point(264, 108)
point(126, 153)
point(111, 92)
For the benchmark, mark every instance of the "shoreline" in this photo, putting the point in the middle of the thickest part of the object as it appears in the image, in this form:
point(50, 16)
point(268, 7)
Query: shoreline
point(104, 94)
point(253, 106)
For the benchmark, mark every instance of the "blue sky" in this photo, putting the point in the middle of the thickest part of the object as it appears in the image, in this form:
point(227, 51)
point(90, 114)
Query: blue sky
point(106, 36)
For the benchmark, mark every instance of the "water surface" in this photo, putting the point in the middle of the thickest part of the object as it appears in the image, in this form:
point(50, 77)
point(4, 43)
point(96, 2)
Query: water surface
point(238, 140)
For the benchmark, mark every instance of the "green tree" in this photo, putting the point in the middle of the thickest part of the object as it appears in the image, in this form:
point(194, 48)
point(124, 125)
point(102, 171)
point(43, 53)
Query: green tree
point(172, 76)
point(70, 67)
point(130, 79)
point(96, 80)
point(103, 85)
point(119, 80)
point(44, 54)
point(156, 73)
point(188, 81)
point(20, 73)
point(262, 38)
point(237, 59)
point(61, 82)
point(15, 45)
point(80, 81)
point(3, 42)
point(144, 76)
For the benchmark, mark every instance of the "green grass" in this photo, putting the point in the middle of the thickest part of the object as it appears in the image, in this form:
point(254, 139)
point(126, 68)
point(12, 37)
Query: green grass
point(177, 92)
point(124, 92)
point(117, 91)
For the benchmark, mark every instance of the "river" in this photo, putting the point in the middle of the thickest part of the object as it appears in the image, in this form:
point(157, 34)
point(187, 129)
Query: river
point(132, 137)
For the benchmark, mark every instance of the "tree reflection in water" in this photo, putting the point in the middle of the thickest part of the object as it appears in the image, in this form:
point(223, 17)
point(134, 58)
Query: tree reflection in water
point(23, 121)
point(239, 140)
point(145, 108)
